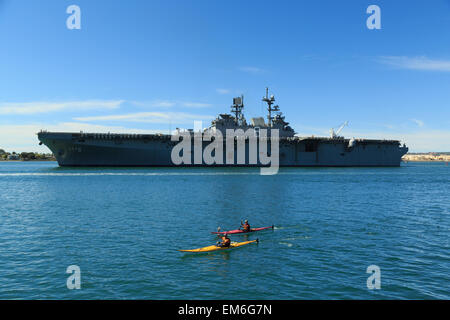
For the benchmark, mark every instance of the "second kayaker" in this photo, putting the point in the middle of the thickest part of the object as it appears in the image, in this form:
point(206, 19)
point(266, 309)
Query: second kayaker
point(246, 226)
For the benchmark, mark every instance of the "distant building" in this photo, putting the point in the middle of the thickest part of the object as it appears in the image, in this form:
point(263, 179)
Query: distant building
point(13, 157)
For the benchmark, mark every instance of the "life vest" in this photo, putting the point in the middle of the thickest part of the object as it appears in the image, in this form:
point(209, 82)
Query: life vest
point(226, 241)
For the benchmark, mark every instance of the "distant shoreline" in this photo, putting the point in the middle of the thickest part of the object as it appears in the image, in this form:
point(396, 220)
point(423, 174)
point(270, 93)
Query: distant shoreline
point(25, 156)
point(427, 157)
point(409, 157)
point(423, 160)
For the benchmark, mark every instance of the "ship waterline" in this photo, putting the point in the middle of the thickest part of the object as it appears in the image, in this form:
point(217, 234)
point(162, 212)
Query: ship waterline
point(99, 149)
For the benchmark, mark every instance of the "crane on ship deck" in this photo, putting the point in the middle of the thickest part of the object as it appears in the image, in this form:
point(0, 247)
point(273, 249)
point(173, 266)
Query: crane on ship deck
point(333, 134)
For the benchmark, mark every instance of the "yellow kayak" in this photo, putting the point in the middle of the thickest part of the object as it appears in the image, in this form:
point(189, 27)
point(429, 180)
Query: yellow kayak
point(216, 248)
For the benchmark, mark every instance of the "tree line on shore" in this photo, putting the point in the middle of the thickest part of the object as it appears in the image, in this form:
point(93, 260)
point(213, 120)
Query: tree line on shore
point(25, 156)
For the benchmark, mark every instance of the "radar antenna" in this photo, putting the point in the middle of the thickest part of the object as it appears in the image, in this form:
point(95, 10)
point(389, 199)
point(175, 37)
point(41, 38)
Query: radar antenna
point(236, 108)
point(270, 101)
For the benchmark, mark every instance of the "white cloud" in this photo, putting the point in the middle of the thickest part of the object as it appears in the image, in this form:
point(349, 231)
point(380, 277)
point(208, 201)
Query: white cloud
point(416, 63)
point(28, 108)
point(418, 122)
point(154, 103)
point(20, 138)
point(149, 117)
point(162, 103)
point(254, 70)
point(170, 103)
point(222, 91)
point(196, 105)
point(39, 107)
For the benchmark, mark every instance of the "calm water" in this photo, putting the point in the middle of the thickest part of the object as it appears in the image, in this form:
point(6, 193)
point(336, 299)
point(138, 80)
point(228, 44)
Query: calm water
point(122, 228)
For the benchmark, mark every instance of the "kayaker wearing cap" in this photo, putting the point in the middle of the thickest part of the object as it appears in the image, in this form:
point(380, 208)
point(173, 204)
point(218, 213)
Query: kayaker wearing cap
point(225, 241)
point(246, 226)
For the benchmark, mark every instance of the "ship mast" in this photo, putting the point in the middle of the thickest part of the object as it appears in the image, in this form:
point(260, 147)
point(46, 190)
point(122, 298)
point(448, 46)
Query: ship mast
point(236, 108)
point(270, 101)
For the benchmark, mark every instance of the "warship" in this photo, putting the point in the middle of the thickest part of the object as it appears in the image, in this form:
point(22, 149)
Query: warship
point(109, 149)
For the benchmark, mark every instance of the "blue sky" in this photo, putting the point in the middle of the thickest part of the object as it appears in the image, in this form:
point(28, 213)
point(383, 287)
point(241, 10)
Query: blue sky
point(145, 66)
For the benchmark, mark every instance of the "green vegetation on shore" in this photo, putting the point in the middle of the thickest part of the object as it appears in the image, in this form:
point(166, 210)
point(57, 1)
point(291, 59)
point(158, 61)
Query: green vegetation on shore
point(25, 156)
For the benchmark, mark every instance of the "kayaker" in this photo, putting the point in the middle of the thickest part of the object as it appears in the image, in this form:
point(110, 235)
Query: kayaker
point(246, 226)
point(225, 241)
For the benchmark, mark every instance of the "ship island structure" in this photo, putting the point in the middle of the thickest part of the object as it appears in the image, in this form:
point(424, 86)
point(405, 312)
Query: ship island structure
point(130, 150)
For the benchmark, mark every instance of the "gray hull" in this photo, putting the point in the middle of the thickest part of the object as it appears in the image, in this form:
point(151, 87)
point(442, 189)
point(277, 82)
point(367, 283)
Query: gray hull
point(77, 149)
